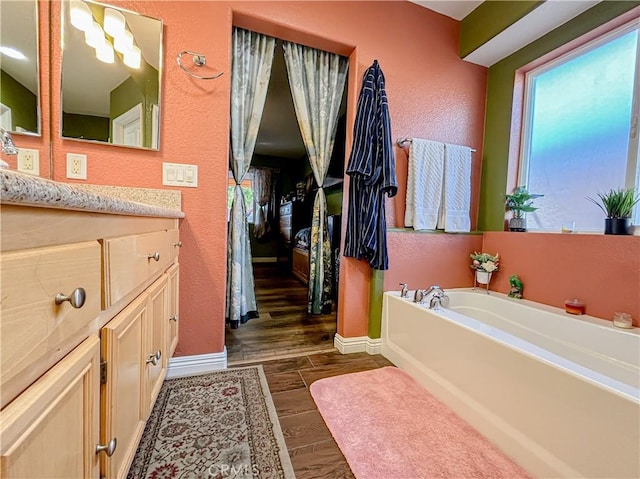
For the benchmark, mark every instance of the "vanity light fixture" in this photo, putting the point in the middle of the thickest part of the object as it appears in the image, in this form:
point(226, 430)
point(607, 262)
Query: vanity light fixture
point(105, 53)
point(114, 22)
point(132, 57)
point(94, 36)
point(81, 16)
point(123, 41)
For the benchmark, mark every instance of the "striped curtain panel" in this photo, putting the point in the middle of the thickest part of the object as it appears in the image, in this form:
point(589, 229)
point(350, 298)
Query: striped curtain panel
point(317, 80)
point(250, 73)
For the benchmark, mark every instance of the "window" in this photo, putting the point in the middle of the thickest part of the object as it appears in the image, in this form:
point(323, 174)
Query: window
point(580, 131)
point(247, 190)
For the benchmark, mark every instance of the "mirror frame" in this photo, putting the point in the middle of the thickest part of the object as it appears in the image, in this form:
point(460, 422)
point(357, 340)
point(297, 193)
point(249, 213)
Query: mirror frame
point(64, 24)
point(38, 71)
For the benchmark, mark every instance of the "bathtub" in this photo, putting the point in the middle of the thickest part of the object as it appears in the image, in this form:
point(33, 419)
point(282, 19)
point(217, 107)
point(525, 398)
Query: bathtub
point(559, 394)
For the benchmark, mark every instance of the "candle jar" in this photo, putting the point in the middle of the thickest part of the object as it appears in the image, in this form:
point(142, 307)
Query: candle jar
point(622, 320)
point(574, 306)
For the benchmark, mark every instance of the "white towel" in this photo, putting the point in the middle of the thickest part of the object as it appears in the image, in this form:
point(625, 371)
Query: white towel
point(454, 214)
point(424, 184)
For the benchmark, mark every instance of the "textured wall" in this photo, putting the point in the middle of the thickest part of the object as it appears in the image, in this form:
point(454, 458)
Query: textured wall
point(432, 94)
point(424, 259)
point(601, 270)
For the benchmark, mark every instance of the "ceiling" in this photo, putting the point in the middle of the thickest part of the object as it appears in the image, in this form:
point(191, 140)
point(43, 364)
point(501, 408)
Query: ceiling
point(457, 9)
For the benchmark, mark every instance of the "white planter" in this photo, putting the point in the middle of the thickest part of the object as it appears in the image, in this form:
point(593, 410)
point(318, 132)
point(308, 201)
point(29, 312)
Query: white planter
point(482, 277)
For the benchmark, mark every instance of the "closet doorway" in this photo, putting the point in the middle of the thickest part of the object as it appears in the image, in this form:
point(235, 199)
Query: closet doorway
point(280, 259)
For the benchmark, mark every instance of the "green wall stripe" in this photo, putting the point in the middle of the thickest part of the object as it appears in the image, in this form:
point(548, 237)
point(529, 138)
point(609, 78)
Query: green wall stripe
point(489, 19)
point(376, 290)
point(501, 78)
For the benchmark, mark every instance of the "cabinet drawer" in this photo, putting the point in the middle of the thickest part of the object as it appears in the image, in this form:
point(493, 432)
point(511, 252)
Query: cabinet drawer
point(285, 209)
point(129, 261)
point(285, 221)
point(33, 326)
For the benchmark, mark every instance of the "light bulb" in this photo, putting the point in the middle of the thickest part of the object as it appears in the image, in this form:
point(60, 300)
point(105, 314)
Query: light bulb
point(94, 35)
point(113, 22)
point(81, 16)
point(123, 41)
point(104, 52)
point(132, 57)
point(12, 52)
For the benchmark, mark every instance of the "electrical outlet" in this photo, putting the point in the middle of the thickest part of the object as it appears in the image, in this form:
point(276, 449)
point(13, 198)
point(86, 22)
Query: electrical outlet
point(76, 166)
point(29, 161)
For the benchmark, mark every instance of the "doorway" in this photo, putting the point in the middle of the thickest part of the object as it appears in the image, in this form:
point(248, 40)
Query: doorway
point(284, 327)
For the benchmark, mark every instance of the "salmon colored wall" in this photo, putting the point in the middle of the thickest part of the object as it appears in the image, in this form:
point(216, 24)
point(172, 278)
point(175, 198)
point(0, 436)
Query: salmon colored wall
point(40, 143)
point(601, 270)
point(425, 259)
point(432, 94)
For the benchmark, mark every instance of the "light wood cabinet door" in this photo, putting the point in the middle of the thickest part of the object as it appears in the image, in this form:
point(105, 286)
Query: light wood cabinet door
point(52, 428)
point(122, 398)
point(35, 331)
point(155, 356)
point(173, 294)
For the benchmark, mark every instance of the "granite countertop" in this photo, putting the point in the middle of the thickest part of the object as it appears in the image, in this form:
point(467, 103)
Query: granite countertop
point(26, 190)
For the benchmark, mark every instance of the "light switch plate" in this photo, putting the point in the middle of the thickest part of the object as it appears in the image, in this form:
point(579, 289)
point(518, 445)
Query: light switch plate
point(76, 166)
point(29, 161)
point(178, 174)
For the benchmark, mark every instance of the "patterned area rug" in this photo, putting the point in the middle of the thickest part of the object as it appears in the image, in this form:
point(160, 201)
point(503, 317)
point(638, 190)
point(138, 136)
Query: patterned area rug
point(219, 425)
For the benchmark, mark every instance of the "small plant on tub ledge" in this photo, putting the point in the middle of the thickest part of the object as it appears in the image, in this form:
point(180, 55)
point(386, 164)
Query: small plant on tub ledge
point(485, 265)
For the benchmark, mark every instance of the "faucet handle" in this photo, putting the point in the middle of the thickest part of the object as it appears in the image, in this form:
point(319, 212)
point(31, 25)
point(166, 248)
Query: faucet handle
point(405, 291)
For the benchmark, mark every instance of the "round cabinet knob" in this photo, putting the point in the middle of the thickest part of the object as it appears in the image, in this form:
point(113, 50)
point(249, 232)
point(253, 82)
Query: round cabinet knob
point(77, 298)
point(178, 244)
point(155, 256)
point(174, 318)
point(154, 358)
point(108, 449)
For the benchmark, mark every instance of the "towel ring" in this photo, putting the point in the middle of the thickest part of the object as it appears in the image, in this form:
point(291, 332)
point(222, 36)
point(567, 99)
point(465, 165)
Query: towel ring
point(199, 60)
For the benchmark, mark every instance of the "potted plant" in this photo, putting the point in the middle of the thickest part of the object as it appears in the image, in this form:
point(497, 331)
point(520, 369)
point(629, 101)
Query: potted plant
point(520, 202)
point(484, 264)
point(617, 205)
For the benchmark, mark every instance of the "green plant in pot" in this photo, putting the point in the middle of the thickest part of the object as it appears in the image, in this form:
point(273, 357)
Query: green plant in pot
point(617, 205)
point(520, 202)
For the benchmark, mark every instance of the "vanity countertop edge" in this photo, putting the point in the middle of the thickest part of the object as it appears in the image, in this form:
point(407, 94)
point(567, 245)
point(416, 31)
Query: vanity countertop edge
point(26, 190)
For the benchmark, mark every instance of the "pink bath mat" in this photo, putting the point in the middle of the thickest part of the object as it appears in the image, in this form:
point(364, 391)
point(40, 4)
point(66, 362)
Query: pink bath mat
point(390, 427)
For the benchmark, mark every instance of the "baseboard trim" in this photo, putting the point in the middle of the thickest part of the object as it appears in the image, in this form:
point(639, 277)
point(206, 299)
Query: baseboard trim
point(196, 364)
point(359, 344)
point(264, 259)
point(374, 346)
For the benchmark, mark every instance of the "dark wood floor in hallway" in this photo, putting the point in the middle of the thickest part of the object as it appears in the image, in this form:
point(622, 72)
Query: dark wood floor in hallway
point(313, 451)
point(284, 327)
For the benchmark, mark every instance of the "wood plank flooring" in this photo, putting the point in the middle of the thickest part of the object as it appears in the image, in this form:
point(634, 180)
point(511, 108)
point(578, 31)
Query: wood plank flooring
point(284, 328)
point(313, 451)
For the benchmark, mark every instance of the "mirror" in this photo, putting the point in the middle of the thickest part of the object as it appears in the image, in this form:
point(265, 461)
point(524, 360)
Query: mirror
point(19, 80)
point(111, 70)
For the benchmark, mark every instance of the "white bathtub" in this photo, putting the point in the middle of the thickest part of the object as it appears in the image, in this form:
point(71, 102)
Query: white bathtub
point(558, 393)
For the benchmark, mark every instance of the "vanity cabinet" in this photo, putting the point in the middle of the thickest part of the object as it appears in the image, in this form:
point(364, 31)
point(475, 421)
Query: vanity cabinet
point(79, 372)
point(52, 429)
point(173, 278)
point(122, 398)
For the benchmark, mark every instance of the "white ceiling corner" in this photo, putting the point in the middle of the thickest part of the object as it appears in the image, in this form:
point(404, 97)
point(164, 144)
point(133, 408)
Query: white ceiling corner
point(456, 9)
point(540, 21)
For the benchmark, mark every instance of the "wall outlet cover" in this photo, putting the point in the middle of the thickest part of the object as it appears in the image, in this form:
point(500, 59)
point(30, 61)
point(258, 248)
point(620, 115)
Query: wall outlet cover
point(76, 166)
point(29, 161)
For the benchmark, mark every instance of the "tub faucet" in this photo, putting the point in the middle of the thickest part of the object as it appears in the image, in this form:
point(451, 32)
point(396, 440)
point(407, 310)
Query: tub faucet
point(437, 299)
point(405, 290)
